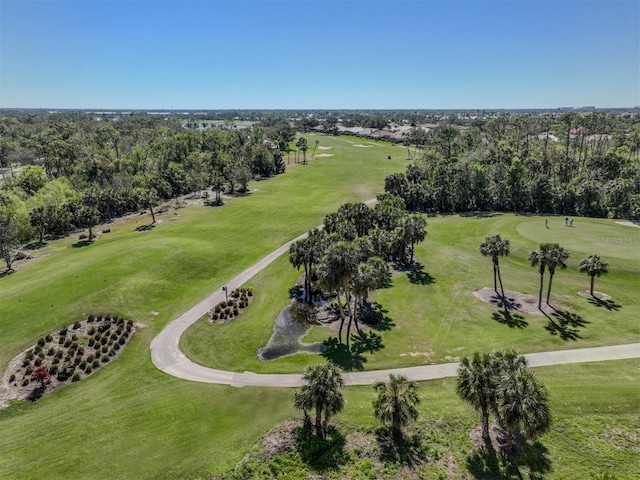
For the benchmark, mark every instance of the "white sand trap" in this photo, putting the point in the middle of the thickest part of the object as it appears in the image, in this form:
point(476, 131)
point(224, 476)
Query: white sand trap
point(325, 155)
point(628, 224)
point(324, 148)
point(362, 146)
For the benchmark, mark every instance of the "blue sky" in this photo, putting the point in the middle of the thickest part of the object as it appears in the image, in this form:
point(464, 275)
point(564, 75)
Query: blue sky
point(317, 54)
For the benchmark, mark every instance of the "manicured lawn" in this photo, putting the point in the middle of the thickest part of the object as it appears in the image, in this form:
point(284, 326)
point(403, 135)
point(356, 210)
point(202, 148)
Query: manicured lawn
point(441, 320)
point(130, 420)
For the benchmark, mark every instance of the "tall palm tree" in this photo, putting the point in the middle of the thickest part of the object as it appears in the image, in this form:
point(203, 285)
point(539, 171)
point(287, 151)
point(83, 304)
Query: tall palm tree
point(593, 266)
point(538, 258)
point(522, 403)
point(495, 246)
point(370, 275)
point(335, 271)
point(556, 257)
point(322, 393)
point(395, 405)
point(476, 385)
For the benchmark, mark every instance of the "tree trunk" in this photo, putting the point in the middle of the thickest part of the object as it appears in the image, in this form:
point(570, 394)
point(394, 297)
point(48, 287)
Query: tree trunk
point(153, 216)
point(319, 430)
point(485, 426)
point(495, 277)
point(593, 277)
point(549, 288)
point(90, 234)
point(540, 292)
point(341, 318)
point(504, 298)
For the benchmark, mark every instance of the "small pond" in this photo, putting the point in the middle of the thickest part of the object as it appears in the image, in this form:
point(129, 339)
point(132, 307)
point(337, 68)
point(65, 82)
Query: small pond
point(286, 338)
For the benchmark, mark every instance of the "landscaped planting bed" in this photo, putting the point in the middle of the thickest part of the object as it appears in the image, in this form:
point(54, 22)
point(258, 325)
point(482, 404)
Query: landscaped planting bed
point(238, 300)
point(68, 355)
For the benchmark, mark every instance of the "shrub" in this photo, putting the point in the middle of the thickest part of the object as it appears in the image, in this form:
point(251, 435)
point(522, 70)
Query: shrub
point(242, 304)
point(58, 354)
point(25, 382)
point(104, 359)
point(113, 336)
point(55, 361)
point(77, 360)
point(88, 370)
point(120, 321)
point(38, 362)
point(122, 341)
point(63, 331)
point(41, 342)
point(48, 338)
point(61, 340)
point(112, 352)
point(92, 330)
point(51, 352)
point(250, 292)
point(97, 337)
point(41, 355)
point(29, 354)
point(37, 349)
point(91, 342)
point(116, 347)
point(74, 337)
point(105, 349)
point(83, 365)
point(76, 325)
point(98, 354)
point(90, 318)
point(218, 309)
point(67, 343)
point(12, 378)
point(90, 358)
point(28, 370)
point(235, 294)
point(235, 312)
point(76, 377)
point(80, 350)
point(214, 316)
point(227, 311)
point(223, 304)
point(26, 362)
point(104, 340)
point(53, 369)
point(95, 363)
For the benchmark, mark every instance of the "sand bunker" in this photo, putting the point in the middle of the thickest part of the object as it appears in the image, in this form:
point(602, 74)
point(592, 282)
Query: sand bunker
point(629, 224)
point(324, 148)
point(362, 146)
point(325, 155)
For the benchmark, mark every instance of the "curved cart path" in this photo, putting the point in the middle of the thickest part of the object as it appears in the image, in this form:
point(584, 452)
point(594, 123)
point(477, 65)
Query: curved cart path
point(166, 354)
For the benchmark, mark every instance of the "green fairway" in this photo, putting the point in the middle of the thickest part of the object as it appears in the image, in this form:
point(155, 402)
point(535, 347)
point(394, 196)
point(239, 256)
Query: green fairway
point(442, 321)
point(130, 420)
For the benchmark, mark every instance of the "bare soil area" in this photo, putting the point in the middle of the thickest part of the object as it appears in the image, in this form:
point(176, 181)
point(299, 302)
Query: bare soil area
point(515, 301)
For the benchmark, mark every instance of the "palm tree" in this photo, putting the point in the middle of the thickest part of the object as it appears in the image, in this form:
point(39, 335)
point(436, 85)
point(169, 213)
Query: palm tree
point(539, 258)
point(522, 403)
point(593, 266)
point(395, 405)
point(370, 275)
point(320, 393)
point(303, 146)
point(556, 257)
point(476, 385)
point(413, 231)
point(494, 246)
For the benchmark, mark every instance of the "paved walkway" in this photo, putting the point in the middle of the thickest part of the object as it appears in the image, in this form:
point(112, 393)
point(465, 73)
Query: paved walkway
point(166, 354)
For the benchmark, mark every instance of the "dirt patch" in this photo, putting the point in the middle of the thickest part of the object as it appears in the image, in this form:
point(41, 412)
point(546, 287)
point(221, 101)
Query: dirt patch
point(515, 301)
point(598, 295)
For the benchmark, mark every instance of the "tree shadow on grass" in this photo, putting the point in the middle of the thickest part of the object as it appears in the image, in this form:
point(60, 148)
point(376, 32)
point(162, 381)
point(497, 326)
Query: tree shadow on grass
point(418, 276)
point(489, 464)
point(407, 450)
point(145, 228)
point(320, 454)
point(375, 316)
point(567, 326)
point(83, 243)
point(362, 342)
point(608, 304)
point(512, 320)
point(509, 302)
point(341, 356)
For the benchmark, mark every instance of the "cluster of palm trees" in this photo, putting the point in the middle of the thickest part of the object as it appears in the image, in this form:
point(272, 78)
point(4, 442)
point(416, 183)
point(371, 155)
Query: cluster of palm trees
point(348, 256)
point(547, 257)
point(500, 383)
point(394, 405)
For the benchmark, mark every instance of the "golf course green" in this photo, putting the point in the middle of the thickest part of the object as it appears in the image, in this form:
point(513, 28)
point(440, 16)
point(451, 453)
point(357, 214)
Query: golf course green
point(129, 420)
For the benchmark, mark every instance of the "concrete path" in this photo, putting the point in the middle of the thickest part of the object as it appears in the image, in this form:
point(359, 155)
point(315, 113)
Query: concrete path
point(166, 354)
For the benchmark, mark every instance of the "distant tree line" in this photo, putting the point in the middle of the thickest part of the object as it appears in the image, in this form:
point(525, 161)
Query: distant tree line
point(569, 164)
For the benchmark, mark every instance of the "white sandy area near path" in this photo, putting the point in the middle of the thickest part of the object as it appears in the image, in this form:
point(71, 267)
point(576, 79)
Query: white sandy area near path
point(629, 224)
point(362, 146)
point(325, 155)
point(324, 148)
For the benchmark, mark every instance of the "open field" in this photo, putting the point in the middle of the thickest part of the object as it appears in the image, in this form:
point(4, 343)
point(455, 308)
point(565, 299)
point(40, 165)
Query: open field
point(130, 420)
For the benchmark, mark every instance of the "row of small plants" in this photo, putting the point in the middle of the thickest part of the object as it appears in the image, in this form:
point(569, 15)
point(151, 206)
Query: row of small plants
point(73, 352)
point(238, 300)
